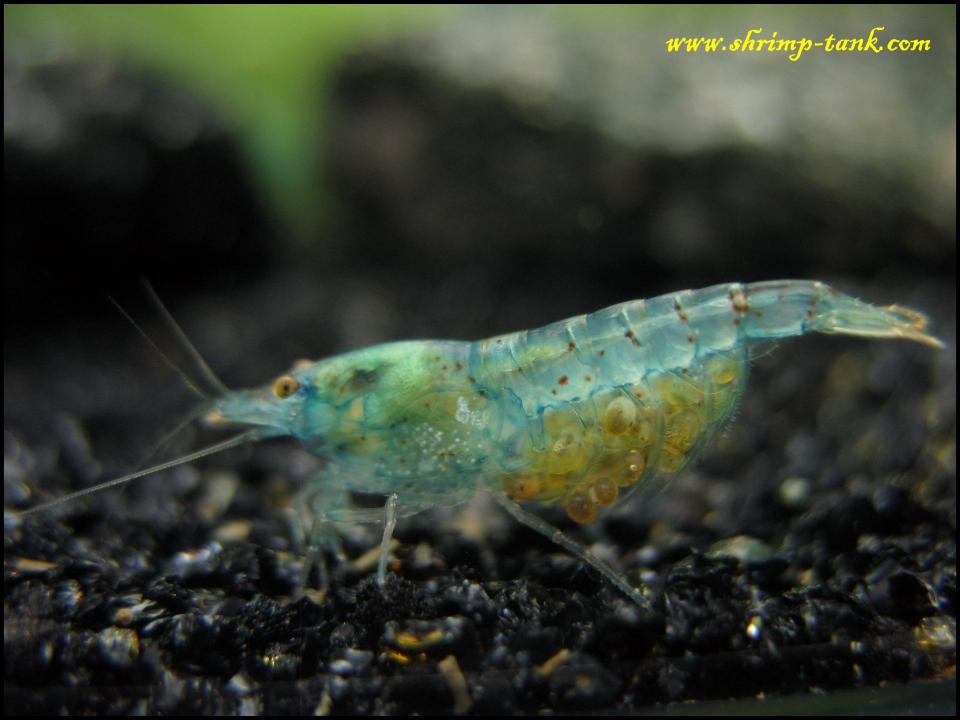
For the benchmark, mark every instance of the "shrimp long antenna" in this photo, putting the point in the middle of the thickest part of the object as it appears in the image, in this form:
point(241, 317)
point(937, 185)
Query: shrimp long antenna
point(241, 439)
point(205, 369)
point(163, 356)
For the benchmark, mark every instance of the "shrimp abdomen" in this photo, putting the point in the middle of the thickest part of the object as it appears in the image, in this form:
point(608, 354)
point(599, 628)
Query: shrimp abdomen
point(601, 403)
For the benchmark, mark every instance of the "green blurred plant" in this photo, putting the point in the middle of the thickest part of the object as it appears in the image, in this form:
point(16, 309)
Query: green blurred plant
point(266, 68)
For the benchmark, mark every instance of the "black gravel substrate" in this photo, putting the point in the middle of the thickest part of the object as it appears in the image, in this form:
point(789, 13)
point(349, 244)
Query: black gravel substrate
point(812, 549)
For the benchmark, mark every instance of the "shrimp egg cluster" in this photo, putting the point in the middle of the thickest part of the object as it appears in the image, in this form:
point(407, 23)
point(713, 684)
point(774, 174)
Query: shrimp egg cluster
point(595, 449)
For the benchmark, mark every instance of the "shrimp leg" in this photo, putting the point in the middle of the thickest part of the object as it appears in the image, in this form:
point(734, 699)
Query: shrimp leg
point(324, 502)
point(568, 543)
point(321, 509)
point(389, 523)
point(313, 532)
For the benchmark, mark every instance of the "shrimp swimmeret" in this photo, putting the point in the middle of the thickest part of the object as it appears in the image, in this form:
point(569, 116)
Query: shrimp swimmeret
point(578, 413)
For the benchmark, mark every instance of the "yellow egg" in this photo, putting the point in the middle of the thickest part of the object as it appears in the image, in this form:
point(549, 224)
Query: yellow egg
point(619, 415)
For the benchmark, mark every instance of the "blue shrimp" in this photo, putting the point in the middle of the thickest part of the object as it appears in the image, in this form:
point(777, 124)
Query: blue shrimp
point(579, 413)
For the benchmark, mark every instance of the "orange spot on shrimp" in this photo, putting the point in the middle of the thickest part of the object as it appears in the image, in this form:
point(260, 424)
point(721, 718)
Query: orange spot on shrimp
point(563, 380)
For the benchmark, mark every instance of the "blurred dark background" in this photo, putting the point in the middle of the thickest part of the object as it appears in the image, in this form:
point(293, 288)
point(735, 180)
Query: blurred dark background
point(301, 181)
point(459, 172)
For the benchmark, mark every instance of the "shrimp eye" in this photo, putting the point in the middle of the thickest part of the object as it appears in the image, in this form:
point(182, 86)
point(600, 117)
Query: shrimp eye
point(285, 386)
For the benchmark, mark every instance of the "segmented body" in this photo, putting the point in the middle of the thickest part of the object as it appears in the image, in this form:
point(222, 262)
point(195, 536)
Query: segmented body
point(577, 413)
point(572, 413)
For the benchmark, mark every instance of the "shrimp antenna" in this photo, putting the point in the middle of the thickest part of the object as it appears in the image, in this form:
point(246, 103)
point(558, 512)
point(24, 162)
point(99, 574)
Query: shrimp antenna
point(205, 369)
point(170, 363)
point(241, 439)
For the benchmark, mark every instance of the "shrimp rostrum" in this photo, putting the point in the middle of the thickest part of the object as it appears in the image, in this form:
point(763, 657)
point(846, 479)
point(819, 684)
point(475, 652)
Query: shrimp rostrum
point(577, 414)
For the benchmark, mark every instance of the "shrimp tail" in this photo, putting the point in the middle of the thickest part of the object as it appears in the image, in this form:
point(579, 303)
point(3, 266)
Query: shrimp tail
point(797, 307)
point(853, 317)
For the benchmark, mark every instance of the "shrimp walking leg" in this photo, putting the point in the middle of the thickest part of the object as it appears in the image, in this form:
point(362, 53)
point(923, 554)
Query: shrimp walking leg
point(321, 510)
point(565, 541)
point(312, 526)
point(389, 523)
point(312, 535)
